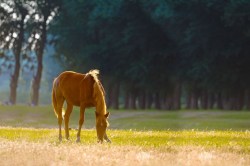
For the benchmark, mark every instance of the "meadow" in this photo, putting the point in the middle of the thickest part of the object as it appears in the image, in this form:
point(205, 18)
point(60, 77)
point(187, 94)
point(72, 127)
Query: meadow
point(29, 136)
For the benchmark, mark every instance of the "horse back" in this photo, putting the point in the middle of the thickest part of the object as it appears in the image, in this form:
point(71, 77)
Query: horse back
point(76, 88)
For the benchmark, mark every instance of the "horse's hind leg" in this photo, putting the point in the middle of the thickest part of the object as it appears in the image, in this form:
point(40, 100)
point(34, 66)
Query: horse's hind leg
point(66, 119)
point(81, 120)
point(59, 107)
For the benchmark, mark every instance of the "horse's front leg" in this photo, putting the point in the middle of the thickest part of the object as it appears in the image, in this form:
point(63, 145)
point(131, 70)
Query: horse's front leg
point(106, 138)
point(66, 119)
point(81, 120)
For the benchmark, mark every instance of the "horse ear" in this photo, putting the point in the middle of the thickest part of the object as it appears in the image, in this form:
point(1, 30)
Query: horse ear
point(107, 115)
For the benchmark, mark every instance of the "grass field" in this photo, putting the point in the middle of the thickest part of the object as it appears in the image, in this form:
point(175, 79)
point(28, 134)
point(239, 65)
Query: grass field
point(43, 117)
point(28, 136)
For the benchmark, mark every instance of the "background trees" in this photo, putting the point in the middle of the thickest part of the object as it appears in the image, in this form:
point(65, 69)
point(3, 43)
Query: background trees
point(23, 27)
point(163, 54)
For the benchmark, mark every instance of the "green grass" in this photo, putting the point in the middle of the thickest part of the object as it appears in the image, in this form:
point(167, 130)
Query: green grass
point(43, 117)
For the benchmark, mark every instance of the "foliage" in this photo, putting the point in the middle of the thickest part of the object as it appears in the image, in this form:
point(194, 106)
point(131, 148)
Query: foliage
point(151, 45)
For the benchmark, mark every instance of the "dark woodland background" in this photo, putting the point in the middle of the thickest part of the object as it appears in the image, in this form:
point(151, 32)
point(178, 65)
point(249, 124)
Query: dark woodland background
point(159, 54)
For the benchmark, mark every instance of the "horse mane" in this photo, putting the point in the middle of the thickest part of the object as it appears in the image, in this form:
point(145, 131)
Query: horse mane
point(94, 73)
point(99, 92)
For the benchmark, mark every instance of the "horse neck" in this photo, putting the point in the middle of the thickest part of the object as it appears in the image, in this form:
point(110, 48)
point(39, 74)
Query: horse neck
point(100, 101)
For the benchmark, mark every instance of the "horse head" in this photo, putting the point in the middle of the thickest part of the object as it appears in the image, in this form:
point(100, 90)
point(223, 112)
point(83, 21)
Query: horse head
point(101, 126)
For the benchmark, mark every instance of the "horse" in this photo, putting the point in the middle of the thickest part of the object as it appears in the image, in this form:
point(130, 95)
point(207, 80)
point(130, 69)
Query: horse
point(84, 91)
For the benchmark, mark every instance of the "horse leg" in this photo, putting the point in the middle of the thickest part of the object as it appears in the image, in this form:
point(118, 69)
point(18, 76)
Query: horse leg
point(66, 119)
point(106, 137)
point(59, 107)
point(81, 120)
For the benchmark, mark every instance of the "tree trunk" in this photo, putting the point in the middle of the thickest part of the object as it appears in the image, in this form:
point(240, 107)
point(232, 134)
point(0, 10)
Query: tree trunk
point(162, 101)
point(226, 103)
point(248, 99)
point(36, 85)
point(109, 95)
point(240, 100)
point(177, 96)
point(210, 103)
point(142, 100)
point(17, 51)
point(133, 100)
point(169, 103)
point(204, 99)
point(113, 94)
point(157, 101)
point(37, 78)
point(149, 100)
point(126, 102)
point(194, 100)
point(116, 96)
point(188, 100)
point(219, 101)
point(14, 81)
point(231, 103)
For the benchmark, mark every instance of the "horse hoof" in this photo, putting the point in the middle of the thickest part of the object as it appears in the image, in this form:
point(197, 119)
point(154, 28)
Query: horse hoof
point(107, 140)
point(99, 141)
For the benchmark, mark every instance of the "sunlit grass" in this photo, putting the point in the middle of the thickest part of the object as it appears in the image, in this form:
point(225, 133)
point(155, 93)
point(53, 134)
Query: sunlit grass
point(232, 140)
point(30, 136)
point(155, 129)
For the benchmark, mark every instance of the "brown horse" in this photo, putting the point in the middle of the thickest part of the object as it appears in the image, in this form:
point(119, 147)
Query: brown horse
point(82, 90)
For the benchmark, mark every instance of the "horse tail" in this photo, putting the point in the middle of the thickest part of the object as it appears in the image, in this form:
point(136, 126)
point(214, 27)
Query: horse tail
point(53, 96)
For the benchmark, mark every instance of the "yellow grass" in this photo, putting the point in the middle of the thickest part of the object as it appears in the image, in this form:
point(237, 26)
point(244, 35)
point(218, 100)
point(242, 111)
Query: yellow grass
point(26, 146)
point(28, 153)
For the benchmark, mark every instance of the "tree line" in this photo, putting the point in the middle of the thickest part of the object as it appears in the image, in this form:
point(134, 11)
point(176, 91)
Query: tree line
point(163, 54)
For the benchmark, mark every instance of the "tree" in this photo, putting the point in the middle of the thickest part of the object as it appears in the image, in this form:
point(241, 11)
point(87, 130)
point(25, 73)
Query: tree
point(13, 19)
point(45, 11)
